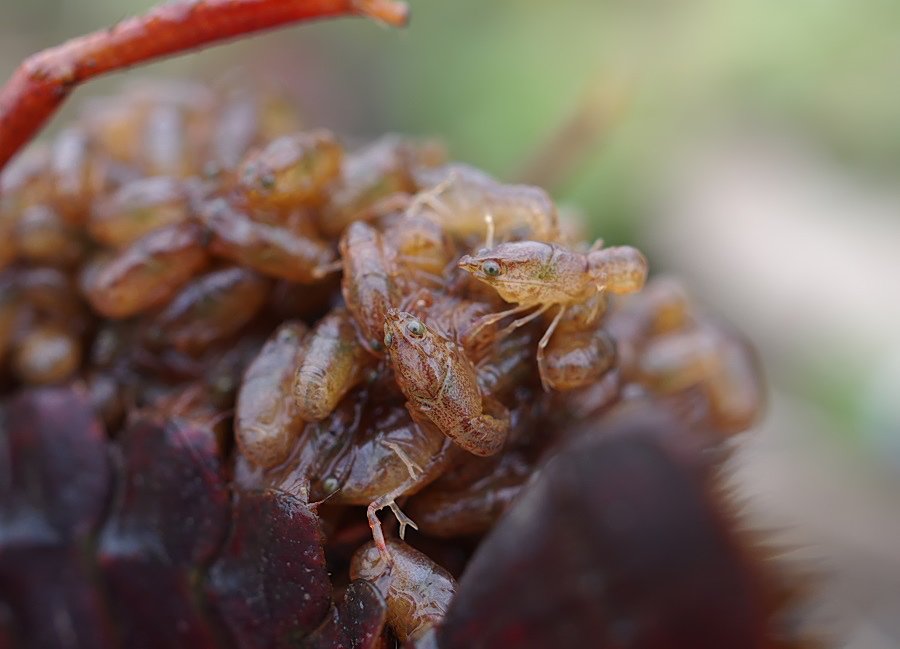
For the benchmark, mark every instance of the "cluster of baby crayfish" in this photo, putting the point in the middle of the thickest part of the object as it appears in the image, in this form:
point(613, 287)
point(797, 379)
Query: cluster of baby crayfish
point(369, 326)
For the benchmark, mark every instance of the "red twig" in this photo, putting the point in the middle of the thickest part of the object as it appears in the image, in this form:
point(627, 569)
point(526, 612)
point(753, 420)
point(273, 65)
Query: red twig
point(40, 85)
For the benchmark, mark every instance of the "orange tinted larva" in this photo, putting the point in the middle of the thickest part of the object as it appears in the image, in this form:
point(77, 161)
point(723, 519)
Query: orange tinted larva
point(47, 354)
point(676, 361)
point(473, 505)
point(43, 237)
point(209, 309)
point(714, 359)
point(48, 295)
point(115, 126)
point(458, 319)
point(736, 390)
point(271, 250)
point(420, 249)
point(137, 208)
point(26, 180)
point(662, 307)
point(576, 359)
point(391, 455)
point(147, 273)
point(536, 275)
point(461, 198)
point(333, 362)
point(620, 270)
point(508, 363)
point(291, 171)
point(417, 590)
point(245, 119)
point(441, 385)
point(368, 286)
point(266, 418)
point(368, 451)
point(375, 172)
point(533, 273)
point(667, 304)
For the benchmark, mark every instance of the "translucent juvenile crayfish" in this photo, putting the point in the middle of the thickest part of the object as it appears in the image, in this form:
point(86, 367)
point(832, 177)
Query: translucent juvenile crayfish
point(204, 425)
point(539, 276)
point(441, 385)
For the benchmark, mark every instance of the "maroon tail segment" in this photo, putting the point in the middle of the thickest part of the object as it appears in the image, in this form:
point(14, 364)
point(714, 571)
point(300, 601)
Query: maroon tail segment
point(55, 485)
point(618, 544)
point(149, 550)
point(41, 84)
point(169, 517)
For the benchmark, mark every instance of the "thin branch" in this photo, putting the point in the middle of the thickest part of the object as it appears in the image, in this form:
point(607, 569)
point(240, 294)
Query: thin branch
point(41, 84)
point(593, 116)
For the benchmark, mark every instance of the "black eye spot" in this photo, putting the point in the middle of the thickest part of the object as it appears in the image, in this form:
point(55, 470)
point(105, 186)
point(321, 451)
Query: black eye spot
point(491, 268)
point(416, 328)
point(267, 181)
point(286, 336)
point(376, 345)
point(388, 339)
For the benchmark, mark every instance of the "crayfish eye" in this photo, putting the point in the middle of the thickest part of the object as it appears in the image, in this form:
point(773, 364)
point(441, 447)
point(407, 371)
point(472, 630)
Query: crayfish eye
point(415, 328)
point(491, 268)
point(267, 181)
point(388, 339)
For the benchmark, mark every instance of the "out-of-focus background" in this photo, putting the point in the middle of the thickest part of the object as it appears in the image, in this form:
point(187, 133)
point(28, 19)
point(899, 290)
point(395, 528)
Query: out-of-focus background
point(750, 146)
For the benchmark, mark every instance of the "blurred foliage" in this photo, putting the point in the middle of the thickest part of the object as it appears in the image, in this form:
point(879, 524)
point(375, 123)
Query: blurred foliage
point(495, 78)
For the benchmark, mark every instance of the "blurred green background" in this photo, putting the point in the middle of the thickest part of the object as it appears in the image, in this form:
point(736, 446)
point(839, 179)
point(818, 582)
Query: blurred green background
point(495, 78)
point(649, 78)
point(752, 146)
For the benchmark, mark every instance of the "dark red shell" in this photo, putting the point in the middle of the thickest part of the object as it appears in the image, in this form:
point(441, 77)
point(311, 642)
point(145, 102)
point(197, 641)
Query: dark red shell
point(166, 557)
point(55, 488)
point(616, 545)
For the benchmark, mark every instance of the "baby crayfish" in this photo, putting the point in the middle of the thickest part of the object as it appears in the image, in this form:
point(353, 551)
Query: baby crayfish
point(466, 201)
point(440, 385)
point(537, 275)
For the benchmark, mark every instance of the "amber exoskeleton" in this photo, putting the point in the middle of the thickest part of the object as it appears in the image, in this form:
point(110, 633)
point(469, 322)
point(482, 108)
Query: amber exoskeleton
point(263, 387)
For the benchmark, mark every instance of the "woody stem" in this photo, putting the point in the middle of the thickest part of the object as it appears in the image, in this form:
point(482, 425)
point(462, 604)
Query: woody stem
point(43, 81)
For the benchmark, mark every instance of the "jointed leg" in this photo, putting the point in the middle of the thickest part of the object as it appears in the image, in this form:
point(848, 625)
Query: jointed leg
point(491, 318)
point(414, 469)
point(41, 84)
point(431, 198)
point(387, 500)
point(421, 275)
point(320, 272)
point(403, 519)
point(545, 340)
point(521, 322)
